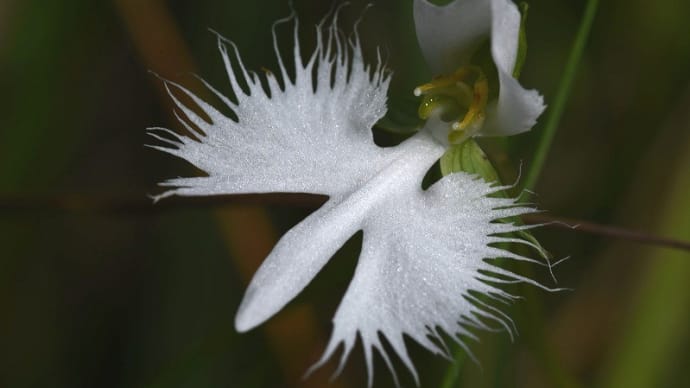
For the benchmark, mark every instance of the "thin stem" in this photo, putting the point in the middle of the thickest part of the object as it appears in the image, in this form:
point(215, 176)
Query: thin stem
point(117, 205)
point(140, 205)
point(607, 231)
point(564, 88)
point(450, 379)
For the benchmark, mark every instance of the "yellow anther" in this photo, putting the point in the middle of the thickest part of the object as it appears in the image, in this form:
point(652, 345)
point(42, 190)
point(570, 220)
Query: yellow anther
point(466, 90)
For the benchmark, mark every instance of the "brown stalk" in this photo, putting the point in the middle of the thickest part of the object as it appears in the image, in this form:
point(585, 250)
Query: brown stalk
point(123, 206)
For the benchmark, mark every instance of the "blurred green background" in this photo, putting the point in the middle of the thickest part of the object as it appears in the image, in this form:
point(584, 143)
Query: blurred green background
point(99, 288)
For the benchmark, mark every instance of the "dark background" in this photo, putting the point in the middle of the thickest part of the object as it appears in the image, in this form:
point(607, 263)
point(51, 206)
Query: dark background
point(99, 288)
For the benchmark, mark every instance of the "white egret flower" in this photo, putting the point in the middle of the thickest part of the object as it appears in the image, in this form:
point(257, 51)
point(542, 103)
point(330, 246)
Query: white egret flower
point(424, 252)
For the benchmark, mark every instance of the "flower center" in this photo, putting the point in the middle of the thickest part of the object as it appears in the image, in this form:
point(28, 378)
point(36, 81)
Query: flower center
point(459, 99)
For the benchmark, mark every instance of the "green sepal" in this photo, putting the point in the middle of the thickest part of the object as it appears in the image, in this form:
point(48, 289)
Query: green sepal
point(522, 41)
point(401, 117)
point(468, 157)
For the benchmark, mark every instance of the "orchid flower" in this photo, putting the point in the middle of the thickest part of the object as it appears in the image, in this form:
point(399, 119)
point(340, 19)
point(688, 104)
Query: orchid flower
point(425, 253)
point(449, 36)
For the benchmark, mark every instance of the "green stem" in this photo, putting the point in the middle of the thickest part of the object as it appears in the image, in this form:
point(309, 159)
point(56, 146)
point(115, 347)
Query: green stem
point(653, 332)
point(564, 89)
point(450, 379)
point(557, 374)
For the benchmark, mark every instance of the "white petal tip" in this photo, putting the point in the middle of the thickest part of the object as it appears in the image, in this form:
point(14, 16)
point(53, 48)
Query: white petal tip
point(245, 322)
point(255, 309)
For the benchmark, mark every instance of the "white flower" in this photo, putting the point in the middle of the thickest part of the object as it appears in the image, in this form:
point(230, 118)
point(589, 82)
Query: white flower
point(310, 132)
point(449, 36)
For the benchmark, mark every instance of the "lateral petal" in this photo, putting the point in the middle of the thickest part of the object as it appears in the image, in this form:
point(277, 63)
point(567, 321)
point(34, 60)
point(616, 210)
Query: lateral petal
point(517, 108)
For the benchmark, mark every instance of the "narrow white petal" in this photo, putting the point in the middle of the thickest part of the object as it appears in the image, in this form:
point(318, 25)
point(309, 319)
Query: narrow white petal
point(449, 35)
point(517, 108)
point(296, 259)
point(305, 249)
point(422, 255)
point(312, 134)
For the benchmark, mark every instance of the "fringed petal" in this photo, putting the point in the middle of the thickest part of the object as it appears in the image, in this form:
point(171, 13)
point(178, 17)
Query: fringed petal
point(422, 265)
point(308, 134)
